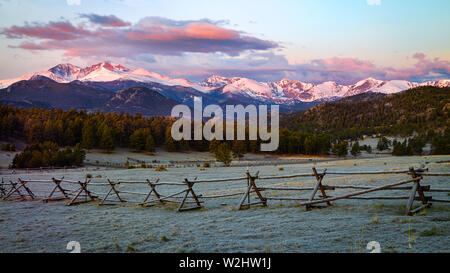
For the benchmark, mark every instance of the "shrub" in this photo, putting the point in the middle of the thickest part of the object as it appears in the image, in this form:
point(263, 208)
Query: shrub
point(223, 154)
point(9, 147)
point(48, 154)
point(340, 149)
point(356, 150)
point(383, 144)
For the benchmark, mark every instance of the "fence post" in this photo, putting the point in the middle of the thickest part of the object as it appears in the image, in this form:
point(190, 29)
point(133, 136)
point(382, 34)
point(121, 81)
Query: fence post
point(57, 186)
point(17, 189)
point(152, 189)
point(112, 184)
point(189, 184)
point(318, 186)
point(83, 188)
point(2, 188)
point(419, 189)
point(252, 186)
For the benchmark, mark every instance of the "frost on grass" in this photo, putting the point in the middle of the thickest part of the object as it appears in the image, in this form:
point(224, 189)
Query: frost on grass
point(347, 226)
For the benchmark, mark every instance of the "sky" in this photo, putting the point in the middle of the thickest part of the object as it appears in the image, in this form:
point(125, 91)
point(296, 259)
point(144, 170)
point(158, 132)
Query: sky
point(308, 40)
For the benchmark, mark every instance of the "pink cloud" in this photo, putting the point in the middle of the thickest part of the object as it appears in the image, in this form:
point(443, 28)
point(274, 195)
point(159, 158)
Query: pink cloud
point(151, 35)
point(343, 64)
point(341, 70)
point(52, 31)
point(210, 32)
point(423, 67)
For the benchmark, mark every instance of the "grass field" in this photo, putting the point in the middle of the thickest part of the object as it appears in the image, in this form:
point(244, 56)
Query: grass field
point(347, 226)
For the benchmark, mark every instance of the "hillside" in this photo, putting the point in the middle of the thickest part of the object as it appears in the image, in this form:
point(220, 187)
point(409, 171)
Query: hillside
point(141, 100)
point(418, 109)
point(44, 92)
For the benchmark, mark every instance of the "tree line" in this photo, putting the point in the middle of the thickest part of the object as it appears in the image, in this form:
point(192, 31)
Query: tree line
point(107, 131)
point(417, 110)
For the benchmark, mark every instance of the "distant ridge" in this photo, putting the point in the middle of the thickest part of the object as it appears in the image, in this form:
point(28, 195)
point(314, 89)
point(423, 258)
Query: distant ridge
point(284, 92)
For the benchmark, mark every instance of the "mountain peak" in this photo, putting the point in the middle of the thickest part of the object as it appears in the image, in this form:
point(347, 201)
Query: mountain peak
point(282, 92)
point(215, 81)
point(109, 66)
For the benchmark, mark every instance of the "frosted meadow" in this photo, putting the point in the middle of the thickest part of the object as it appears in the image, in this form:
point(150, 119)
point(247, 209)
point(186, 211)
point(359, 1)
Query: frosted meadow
point(347, 226)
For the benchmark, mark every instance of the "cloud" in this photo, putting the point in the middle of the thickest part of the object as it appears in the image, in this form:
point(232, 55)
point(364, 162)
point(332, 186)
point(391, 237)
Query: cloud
point(373, 2)
point(111, 36)
point(73, 2)
point(350, 70)
point(60, 30)
point(107, 21)
point(199, 48)
point(272, 67)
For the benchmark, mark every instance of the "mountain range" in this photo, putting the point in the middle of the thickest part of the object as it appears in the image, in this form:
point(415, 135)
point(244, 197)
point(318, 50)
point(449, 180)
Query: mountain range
point(112, 87)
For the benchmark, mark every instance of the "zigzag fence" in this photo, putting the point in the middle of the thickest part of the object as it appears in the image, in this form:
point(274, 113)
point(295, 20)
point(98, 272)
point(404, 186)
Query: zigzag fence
point(150, 193)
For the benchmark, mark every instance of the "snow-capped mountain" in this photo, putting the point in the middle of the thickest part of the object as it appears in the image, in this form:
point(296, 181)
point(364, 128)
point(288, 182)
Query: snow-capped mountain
point(285, 91)
point(289, 91)
point(102, 72)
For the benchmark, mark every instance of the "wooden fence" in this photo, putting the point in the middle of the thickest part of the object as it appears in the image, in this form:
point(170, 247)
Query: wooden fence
point(76, 192)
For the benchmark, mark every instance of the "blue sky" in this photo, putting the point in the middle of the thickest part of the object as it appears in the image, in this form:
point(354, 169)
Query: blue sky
point(309, 40)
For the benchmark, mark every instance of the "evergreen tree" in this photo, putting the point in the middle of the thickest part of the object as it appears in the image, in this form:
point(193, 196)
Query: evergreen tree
point(106, 139)
point(383, 144)
point(238, 149)
point(223, 154)
point(441, 143)
point(356, 150)
point(142, 140)
point(78, 155)
point(340, 149)
point(88, 135)
point(149, 144)
point(213, 145)
point(170, 142)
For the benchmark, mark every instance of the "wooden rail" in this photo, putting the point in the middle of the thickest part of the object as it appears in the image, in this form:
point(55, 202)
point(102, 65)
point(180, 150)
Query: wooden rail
point(81, 191)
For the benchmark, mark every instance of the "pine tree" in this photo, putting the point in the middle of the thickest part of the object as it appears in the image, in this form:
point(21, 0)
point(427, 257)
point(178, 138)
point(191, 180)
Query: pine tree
point(140, 138)
point(106, 139)
point(223, 154)
point(149, 144)
point(356, 150)
point(340, 149)
point(170, 142)
point(238, 149)
point(383, 144)
point(213, 145)
point(87, 135)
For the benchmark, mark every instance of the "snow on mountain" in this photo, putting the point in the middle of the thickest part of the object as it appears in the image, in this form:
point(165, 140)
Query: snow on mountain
point(439, 83)
point(391, 87)
point(102, 72)
point(65, 72)
point(249, 87)
point(284, 91)
point(329, 90)
point(216, 81)
point(363, 86)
